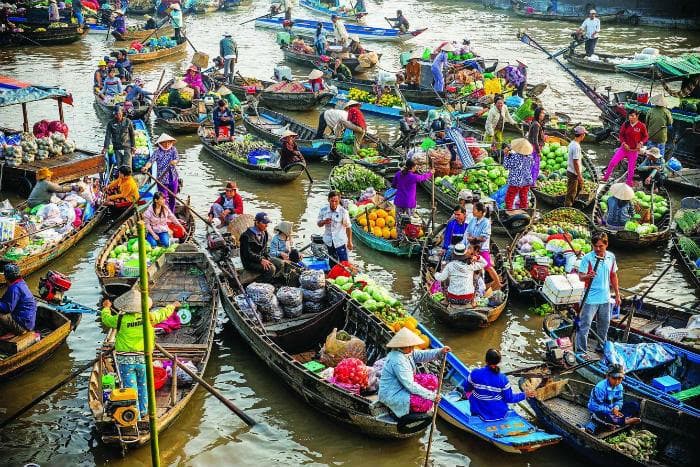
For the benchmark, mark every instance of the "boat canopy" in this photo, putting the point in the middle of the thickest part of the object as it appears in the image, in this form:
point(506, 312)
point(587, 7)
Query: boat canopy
point(666, 68)
point(14, 92)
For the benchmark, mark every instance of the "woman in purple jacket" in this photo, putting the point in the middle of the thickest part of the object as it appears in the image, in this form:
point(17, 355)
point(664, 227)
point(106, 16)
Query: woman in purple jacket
point(405, 182)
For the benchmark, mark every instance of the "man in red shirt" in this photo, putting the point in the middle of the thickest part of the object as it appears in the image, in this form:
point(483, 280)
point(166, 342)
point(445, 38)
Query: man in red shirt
point(633, 134)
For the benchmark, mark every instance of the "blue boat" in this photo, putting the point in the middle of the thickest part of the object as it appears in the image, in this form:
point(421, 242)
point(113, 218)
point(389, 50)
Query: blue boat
point(381, 110)
point(512, 434)
point(322, 9)
point(308, 26)
point(685, 368)
point(147, 189)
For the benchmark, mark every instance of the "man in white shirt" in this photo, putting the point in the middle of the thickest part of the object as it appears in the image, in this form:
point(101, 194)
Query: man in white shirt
point(337, 121)
point(590, 28)
point(337, 234)
point(339, 32)
point(574, 170)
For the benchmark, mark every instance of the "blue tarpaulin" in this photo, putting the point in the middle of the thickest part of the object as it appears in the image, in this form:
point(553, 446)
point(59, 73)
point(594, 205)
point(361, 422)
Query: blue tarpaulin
point(462, 150)
point(638, 356)
point(16, 92)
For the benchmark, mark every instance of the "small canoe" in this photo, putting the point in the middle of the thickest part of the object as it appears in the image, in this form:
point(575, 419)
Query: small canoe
point(141, 34)
point(202, 7)
point(322, 9)
point(685, 180)
point(575, 222)
point(425, 96)
point(364, 32)
point(395, 113)
point(188, 276)
point(50, 36)
point(113, 285)
point(513, 433)
point(158, 54)
point(177, 123)
point(459, 316)
point(269, 126)
point(314, 60)
point(685, 368)
point(561, 406)
point(606, 62)
point(633, 239)
point(294, 101)
point(266, 173)
point(107, 108)
point(20, 353)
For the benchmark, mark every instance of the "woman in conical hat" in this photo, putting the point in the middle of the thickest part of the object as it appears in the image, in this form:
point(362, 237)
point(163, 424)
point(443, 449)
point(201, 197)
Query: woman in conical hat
point(166, 158)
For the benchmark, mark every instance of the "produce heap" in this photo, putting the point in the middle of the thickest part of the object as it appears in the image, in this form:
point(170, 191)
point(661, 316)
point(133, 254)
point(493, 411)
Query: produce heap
point(642, 201)
point(186, 94)
point(552, 179)
point(124, 258)
point(287, 87)
point(27, 148)
point(242, 148)
point(691, 249)
point(353, 178)
point(688, 221)
point(641, 445)
point(486, 176)
point(369, 153)
point(151, 45)
point(376, 221)
point(386, 100)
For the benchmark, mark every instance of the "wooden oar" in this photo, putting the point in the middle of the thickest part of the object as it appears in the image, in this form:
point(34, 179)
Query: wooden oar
point(153, 101)
point(685, 308)
point(241, 414)
point(629, 317)
point(170, 192)
point(266, 15)
point(26, 38)
point(435, 410)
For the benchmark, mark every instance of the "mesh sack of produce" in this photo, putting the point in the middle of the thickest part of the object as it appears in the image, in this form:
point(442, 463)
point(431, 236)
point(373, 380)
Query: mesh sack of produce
point(315, 307)
point(271, 311)
point(312, 279)
point(351, 371)
point(314, 295)
point(293, 311)
point(340, 345)
point(290, 296)
point(247, 307)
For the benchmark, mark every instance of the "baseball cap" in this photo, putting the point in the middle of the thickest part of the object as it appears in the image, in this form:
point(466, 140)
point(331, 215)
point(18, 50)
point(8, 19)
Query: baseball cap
point(262, 217)
point(580, 130)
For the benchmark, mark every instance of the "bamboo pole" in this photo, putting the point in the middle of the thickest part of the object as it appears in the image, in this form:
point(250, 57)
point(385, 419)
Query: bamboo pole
point(148, 346)
point(435, 410)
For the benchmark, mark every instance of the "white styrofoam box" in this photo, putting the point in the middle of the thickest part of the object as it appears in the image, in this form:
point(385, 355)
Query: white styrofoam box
point(563, 289)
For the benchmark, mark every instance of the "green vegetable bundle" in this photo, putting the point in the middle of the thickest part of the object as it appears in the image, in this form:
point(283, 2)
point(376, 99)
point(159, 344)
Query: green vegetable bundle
point(355, 178)
point(688, 221)
point(541, 310)
point(641, 445)
point(689, 247)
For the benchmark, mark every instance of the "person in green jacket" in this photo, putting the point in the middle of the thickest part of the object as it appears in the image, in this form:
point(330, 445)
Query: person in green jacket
point(129, 343)
point(229, 97)
point(659, 119)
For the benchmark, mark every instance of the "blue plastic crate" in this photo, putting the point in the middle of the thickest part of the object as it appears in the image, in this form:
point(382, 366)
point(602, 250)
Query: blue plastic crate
point(315, 263)
point(666, 383)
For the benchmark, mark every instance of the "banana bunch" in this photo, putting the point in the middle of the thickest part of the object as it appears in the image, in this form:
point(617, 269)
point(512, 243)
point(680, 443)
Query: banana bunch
point(359, 95)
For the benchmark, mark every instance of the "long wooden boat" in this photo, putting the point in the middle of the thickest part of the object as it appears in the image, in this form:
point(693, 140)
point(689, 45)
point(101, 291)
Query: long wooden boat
point(459, 316)
point(240, 84)
point(294, 101)
point(21, 353)
point(158, 54)
point(686, 180)
point(390, 158)
point(513, 433)
point(606, 62)
point(314, 60)
point(561, 406)
point(396, 247)
point(113, 285)
point(628, 238)
point(206, 6)
point(620, 17)
point(141, 34)
point(682, 236)
point(287, 345)
point(576, 223)
point(685, 368)
point(186, 275)
point(425, 96)
point(50, 36)
point(265, 173)
point(364, 32)
point(107, 108)
point(269, 125)
point(322, 9)
point(396, 113)
point(181, 124)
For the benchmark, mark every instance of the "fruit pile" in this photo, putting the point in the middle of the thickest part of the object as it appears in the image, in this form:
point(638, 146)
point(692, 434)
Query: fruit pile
point(557, 187)
point(386, 100)
point(487, 177)
point(552, 179)
point(353, 178)
point(127, 254)
point(351, 371)
point(377, 221)
point(554, 158)
point(541, 310)
point(642, 201)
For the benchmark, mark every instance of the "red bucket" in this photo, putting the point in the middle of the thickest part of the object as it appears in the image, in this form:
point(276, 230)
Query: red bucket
point(160, 376)
point(643, 97)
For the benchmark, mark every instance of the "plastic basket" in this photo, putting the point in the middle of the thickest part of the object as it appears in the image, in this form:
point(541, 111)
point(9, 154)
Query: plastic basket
point(131, 268)
point(314, 366)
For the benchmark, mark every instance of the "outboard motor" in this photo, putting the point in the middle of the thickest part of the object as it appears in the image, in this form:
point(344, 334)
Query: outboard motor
point(52, 287)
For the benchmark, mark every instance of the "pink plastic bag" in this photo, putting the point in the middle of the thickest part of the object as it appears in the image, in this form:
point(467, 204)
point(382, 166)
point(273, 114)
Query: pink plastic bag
point(420, 404)
point(41, 129)
point(171, 324)
point(58, 126)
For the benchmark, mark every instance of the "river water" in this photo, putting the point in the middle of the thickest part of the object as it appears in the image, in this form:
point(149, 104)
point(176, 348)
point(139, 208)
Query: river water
point(59, 430)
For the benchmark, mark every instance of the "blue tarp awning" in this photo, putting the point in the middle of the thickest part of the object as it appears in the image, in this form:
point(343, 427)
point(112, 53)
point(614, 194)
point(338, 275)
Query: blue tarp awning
point(14, 92)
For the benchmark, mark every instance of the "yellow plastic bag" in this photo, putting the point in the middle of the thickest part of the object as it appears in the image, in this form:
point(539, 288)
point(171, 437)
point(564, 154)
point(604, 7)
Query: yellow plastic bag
point(492, 86)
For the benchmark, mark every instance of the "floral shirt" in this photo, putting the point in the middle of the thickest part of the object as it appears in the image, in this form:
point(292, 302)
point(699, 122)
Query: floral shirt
point(162, 159)
point(519, 169)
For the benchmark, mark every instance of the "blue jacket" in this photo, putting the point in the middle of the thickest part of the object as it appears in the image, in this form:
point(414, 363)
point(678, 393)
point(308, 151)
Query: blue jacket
point(227, 47)
point(604, 398)
point(619, 212)
point(396, 383)
point(453, 228)
point(19, 302)
point(490, 394)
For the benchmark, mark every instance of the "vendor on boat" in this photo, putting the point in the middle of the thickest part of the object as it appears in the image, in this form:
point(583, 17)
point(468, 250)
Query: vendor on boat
point(439, 64)
point(124, 191)
point(135, 92)
point(620, 208)
point(45, 189)
point(590, 29)
point(355, 46)
point(160, 220)
point(99, 76)
point(227, 206)
point(536, 137)
point(112, 84)
point(340, 34)
point(519, 162)
point(396, 384)
point(574, 168)
point(489, 390)
point(174, 97)
point(633, 135)
point(496, 120)
point(454, 231)
point(356, 118)
point(166, 159)
point(129, 342)
point(120, 135)
point(231, 100)
point(340, 71)
point(289, 152)
point(281, 244)
point(17, 305)
point(337, 228)
point(123, 65)
point(653, 166)
point(658, 120)
point(400, 22)
point(413, 70)
point(405, 182)
point(193, 79)
point(606, 402)
point(464, 262)
point(54, 15)
point(254, 252)
point(119, 23)
point(150, 23)
point(228, 50)
point(479, 230)
point(337, 121)
point(176, 21)
point(316, 81)
point(222, 116)
point(320, 40)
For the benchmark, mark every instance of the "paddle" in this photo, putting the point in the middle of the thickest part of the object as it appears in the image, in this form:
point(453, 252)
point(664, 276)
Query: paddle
point(153, 101)
point(629, 317)
point(266, 15)
point(154, 31)
point(435, 409)
point(170, 192)
point(26, 38)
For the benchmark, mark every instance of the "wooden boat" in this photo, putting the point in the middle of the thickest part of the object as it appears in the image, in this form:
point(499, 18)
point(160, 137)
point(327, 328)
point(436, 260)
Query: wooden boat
point(606, 63)
point(116, 285)
point(181, 123)
point(686, 180)
point(620, 17)
point(680, 235)
point(287, 345)
point(396, 247)
point(186, 275)
point(107, 108)
point(265, 173)
point(390, 158)
point(420, 96)
point(364, 32)
point(685, 368)
point(459, 316)
point(628, 238)
point(240, 83)
point(202, 7)
point(269, 125)
point(20, 353)
point(158, 54)
point(554, 218)
point(314, 61)
point(561, 406)
point(293, 101)
point(513, 434)
point(322, 9)
point(141, 34)
point(49, 36)
point(688, 264)
point(396, 113)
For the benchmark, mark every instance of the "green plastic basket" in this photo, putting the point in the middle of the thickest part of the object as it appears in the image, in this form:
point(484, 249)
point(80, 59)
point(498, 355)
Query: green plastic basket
point(314, 366)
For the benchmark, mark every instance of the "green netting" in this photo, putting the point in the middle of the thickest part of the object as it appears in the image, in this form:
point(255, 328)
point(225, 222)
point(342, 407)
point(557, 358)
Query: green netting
point(670, 67)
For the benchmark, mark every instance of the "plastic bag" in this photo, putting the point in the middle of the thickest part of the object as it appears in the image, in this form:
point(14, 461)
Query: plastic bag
point(314, 295)
point(293, 311)
point(340, 345)
point(428, 381)
point(314, 307)
point(247, 307)
point(312, 279)
point(259, 292)
point(290, 297)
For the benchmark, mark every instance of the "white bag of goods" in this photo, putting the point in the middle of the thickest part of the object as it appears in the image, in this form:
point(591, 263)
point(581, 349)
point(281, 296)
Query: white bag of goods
point(290, 296)
point(314, 295)
point(7, 228)
point(650, 51)
point(563, 289)
point(283, 72)
point(312, 279)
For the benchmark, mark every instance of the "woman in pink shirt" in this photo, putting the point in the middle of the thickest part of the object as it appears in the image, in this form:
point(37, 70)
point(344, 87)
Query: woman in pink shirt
point(633, 134)
point(193, 78)
point(157, 218)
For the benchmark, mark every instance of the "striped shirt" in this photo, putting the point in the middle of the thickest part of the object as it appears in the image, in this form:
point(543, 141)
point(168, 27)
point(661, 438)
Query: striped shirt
point(480, 228)
point(490, 394)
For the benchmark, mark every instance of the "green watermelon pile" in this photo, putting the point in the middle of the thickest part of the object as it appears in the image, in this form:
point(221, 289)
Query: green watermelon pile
point(487, 176)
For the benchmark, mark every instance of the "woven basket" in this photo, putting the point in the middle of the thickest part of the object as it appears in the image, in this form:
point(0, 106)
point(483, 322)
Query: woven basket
point(21, 232)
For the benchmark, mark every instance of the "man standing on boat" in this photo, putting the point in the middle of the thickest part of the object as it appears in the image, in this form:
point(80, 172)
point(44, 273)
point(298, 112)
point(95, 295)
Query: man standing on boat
point(659, 120)
point(339, 32)
point(590, 28)
point(17, 305)
point(284, 6)
point(228, 50)
point(574, 171)
point(176, 20)
point(77, 7)
point(120, 134)
point(337, 234)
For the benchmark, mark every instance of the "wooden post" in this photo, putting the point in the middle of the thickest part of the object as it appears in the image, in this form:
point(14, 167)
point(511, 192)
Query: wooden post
point(60, 109)
point(25, 119)
point(173, 383)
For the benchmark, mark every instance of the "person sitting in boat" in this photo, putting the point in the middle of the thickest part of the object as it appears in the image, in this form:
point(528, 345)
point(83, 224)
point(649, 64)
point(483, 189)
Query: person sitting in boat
point(396, 384)
point(454, 231)
point(439, 65)
point(400, 22)
point(17, 305)
point(413, 70)
point(231, 100)
point(356, 118)
point(489, 390)
point(54, 15)
point(100, 75)
point(299, 45)
point(466, 200)
point(119, 23)
point(316, 81)
point(222, 116)
point(519, 163)
point(124, 191)
point(129, 342)
point(160, 220)
point(620, 208)
point(112, 85)
point(45, 189)
point(653, 166)
point(405, 182)
point(340, 71)
point(135, 92)
point(254, 252)
point(174, 97)
point(460, 274)
point(281, 244)
point(227, 206)
point(606, 402)
point(355, 46)
point(320, 40)
point(193, 79)
point(150, 23)
point(124, 66)
point(289, 151)
point(360, 8)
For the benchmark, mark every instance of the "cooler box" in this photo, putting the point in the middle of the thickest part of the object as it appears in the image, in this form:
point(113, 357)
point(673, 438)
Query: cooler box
point(666, 384)
point(563, 289)
point(258, 159)
point(315, 263)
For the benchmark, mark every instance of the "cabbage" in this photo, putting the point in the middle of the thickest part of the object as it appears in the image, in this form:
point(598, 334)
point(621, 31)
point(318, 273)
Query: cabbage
point(631, 226)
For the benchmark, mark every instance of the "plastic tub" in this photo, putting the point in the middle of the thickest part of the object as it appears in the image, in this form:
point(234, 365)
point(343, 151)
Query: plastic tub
point(160, 376)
